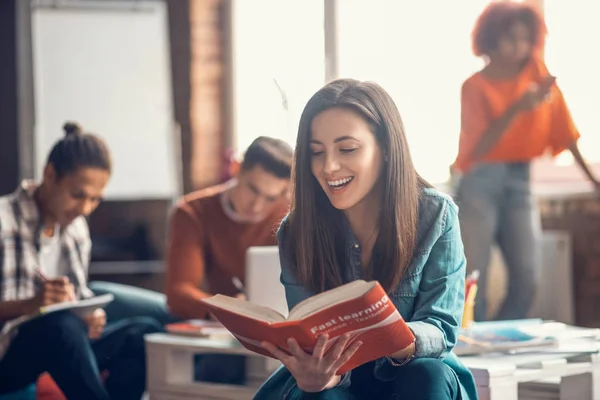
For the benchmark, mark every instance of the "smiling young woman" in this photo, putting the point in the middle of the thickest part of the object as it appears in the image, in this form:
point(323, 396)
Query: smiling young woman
point(360, 211)
point(512, 112)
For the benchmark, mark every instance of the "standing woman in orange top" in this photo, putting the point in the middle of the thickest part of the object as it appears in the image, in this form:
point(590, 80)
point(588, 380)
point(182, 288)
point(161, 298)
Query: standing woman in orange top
point(511, 112)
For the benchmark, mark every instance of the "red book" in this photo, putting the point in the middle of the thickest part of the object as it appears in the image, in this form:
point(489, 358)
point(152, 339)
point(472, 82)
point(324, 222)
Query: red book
point(200, 328)
point(360, 308)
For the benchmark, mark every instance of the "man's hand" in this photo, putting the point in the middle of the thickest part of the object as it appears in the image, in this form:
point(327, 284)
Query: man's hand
point(96, 321)
point(241, 296)
point(54, 291)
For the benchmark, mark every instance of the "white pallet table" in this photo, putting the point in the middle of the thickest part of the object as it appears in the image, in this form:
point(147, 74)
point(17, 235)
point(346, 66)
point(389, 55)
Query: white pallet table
point(570, 371)
point(170, 366)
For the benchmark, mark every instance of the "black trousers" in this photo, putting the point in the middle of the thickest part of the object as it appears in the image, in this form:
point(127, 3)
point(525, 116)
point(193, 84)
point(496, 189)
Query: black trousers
point(58, 344)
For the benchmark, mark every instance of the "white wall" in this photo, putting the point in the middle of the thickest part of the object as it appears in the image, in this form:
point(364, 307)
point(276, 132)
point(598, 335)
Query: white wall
point(108, 68)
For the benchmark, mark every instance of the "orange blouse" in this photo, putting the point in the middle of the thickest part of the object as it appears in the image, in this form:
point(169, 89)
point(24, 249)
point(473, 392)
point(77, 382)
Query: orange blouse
point(531, 134)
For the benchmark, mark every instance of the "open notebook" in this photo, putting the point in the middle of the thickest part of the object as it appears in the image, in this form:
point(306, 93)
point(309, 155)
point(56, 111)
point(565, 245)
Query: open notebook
point(78, 307)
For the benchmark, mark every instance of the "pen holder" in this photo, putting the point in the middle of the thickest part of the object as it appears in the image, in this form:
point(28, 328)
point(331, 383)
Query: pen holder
point(468, 315)
point(469, 309)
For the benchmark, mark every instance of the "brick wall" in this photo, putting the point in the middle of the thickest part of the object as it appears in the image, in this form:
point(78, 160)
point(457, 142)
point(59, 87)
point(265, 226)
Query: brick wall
point(199, 50)
point(179, 41)
point(207, 80)
point(580, 216)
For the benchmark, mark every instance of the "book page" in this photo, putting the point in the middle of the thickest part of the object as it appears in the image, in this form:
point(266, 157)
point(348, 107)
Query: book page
point(245, 308)
point(330, 298)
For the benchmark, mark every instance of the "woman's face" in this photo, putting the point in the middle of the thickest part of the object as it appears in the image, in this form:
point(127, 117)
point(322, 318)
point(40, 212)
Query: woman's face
point(516, 44)
point(346, 158)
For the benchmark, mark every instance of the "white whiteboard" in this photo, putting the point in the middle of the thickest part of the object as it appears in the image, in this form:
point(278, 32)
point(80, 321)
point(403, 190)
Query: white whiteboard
point(106, 65)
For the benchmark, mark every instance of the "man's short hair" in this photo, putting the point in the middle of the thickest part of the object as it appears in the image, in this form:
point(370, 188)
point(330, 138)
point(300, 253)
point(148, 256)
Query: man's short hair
point(274, 155)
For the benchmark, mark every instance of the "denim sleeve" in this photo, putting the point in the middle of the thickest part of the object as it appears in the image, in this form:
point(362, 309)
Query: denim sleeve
point(440, 302)
point(295, 292)
point(440, 299)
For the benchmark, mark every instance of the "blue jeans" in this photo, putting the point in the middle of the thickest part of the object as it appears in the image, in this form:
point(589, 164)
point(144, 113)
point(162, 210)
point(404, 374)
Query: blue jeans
point(132, 302)
point(421, 379)
point(58, 343)
point(496, 206)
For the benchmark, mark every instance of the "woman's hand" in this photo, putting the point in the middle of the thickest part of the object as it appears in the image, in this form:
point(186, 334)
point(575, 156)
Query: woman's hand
point(405, 353)
point(317, 371)
point(535, 94)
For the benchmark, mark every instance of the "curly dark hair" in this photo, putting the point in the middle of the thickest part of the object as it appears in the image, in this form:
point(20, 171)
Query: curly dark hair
point(498, 17)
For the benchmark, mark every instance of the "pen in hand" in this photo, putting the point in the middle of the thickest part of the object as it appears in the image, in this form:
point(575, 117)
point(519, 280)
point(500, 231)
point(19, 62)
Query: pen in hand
point(41, 276)
point(240, 287)
point(45, 280)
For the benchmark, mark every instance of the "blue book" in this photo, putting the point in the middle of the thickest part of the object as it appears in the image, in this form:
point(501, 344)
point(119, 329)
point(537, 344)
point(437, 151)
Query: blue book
point(501, 336)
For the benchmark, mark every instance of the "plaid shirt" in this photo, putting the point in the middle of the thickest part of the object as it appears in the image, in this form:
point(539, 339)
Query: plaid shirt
point(20, 230)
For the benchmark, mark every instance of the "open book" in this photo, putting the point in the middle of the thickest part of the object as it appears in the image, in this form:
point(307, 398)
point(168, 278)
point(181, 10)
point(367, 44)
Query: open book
point(78, 307)
point(360, 308)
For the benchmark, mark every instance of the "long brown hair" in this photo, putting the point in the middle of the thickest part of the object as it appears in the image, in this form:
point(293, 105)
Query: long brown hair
point(316, 237)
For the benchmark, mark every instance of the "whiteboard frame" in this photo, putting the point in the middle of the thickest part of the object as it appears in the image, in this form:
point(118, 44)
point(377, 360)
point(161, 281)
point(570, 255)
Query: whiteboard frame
point(45, 135)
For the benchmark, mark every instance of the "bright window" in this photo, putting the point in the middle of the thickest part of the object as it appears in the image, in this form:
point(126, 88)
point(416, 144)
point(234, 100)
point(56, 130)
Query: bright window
point(420, 53)
point(279, 62)
point(570, 54)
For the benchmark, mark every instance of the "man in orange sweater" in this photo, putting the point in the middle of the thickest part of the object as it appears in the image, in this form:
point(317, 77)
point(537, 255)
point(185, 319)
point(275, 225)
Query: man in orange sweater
point(211, 229)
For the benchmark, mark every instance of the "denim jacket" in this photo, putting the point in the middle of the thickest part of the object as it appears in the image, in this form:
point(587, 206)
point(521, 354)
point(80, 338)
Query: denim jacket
point(430, 297)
